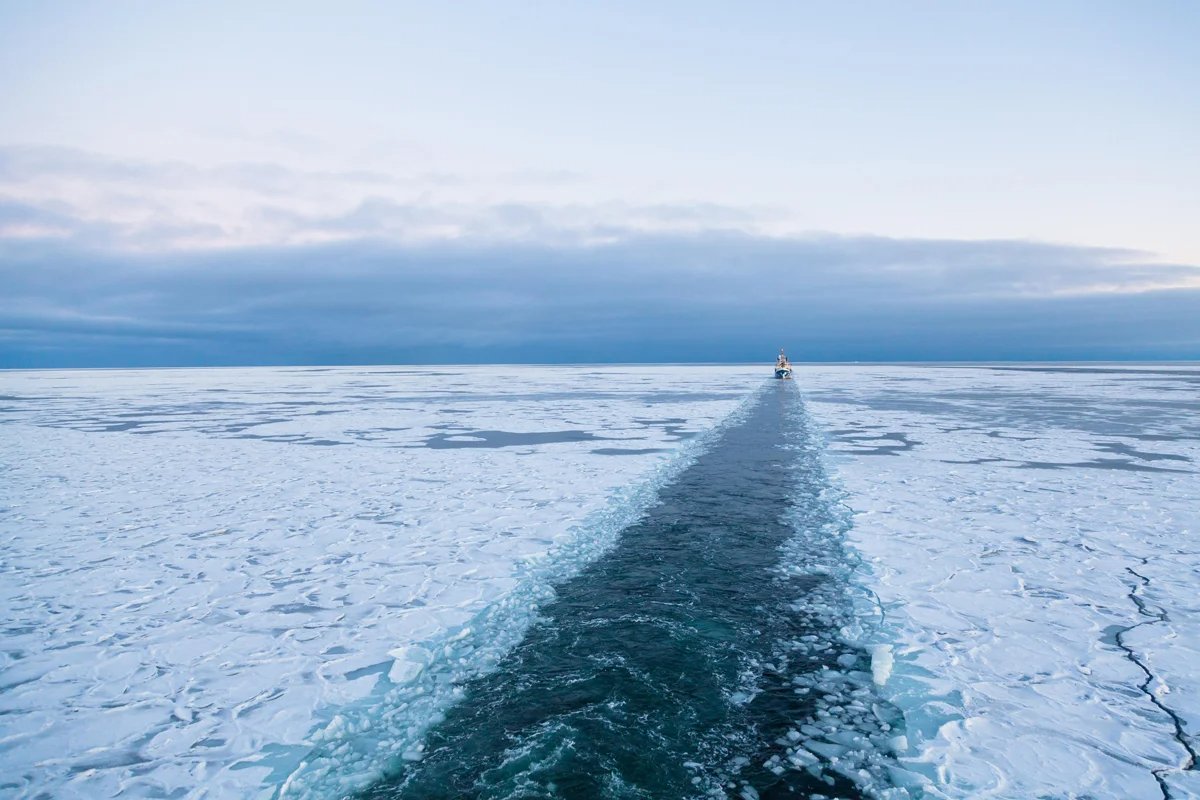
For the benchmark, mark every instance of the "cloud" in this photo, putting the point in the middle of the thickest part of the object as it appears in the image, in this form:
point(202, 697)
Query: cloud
point(166, 205)
point(107, 261)
point(640, 297)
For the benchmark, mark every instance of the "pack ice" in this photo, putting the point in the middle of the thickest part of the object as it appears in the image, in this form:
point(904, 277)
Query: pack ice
point(1031, 533)
point(263, 582)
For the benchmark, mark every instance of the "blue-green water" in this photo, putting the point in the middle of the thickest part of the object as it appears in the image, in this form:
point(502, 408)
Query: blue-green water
point(699, 657)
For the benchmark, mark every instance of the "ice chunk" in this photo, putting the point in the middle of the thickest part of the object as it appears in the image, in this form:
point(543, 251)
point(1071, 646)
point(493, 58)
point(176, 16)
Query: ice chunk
point(881, 663)
point(408, 664)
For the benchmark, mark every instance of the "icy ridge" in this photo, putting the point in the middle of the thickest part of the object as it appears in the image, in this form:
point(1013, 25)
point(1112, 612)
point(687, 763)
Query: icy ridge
point(361, 743)
point(878, 628)
point(855, 733)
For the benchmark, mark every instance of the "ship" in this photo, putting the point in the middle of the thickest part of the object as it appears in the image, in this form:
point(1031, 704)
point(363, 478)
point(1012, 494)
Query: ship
point(783, 367)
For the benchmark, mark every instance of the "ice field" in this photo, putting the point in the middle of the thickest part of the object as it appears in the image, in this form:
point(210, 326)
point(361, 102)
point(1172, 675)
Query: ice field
point(1033, 536)
point(284, 582)
point(201, 568)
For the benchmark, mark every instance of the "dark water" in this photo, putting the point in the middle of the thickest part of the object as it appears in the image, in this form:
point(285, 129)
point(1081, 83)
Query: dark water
point(699, 657)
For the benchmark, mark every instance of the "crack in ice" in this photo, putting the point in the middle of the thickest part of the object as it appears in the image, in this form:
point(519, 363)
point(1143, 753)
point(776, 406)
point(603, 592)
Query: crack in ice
point(1156, 616)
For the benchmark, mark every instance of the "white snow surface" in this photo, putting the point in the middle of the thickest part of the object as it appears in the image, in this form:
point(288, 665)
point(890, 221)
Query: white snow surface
point(1032, 538)
point(247, 582)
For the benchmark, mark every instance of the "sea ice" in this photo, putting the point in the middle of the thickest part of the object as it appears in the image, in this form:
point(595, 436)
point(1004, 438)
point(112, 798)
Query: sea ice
point(215, 580)
point(1029, 534)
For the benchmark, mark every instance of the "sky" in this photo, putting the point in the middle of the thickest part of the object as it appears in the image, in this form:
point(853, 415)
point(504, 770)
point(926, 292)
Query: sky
point(273, 183)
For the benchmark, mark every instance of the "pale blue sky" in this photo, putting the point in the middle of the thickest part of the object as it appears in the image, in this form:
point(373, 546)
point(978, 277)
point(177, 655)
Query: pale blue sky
point(177, 128)
point(1063, 121)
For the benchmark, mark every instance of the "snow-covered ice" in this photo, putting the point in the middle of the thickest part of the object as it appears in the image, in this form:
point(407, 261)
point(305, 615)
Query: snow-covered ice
point(240, 583)
point(1031, 535)
point(218, 582)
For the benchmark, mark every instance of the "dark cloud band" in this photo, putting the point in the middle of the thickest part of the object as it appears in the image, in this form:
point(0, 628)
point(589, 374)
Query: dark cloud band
point(712, 297)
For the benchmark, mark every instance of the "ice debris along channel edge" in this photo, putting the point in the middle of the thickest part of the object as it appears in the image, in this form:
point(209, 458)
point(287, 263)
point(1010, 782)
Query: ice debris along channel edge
point(361, 742)
point(705, 654)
